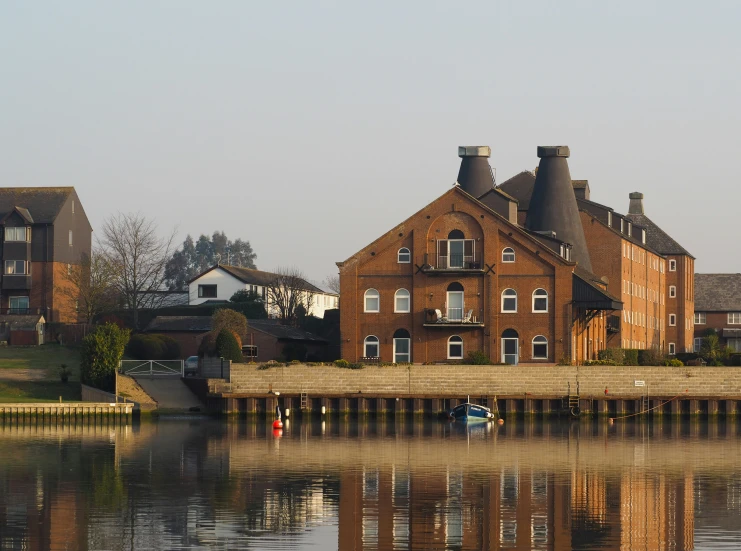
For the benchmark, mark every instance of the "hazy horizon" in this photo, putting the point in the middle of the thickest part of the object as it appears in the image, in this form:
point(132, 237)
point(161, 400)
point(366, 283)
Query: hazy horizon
point(311, 130)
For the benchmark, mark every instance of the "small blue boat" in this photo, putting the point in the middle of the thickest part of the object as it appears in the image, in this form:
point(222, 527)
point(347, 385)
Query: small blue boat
point(471, 413)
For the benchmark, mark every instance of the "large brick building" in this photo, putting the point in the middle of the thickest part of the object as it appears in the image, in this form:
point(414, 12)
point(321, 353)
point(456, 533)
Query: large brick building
point(650, 272)
point(463, 275)
point(45, 231)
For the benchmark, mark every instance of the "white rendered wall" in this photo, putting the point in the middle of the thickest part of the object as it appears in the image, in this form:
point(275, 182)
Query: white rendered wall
point(226, 286)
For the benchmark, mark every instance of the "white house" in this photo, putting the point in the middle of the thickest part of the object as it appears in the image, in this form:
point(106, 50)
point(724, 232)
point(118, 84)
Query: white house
point(220, 282)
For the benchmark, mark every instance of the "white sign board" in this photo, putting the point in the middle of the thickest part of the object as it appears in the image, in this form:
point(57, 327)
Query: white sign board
point(640, 383)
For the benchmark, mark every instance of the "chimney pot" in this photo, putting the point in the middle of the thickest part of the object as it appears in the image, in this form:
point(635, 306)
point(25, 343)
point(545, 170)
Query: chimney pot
point(636, 203)
point(474, 151)
point(553, 151)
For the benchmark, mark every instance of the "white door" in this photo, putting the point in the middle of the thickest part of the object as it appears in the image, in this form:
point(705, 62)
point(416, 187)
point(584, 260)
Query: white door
point(510, 350)
point(402, 352)
point(455, 305)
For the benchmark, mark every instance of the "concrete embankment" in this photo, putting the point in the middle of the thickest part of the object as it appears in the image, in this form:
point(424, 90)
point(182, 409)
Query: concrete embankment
point(608, 390)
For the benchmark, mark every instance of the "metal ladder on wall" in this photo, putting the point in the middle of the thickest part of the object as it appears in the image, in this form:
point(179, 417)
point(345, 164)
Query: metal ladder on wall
point(304, 401)
point(573, 400)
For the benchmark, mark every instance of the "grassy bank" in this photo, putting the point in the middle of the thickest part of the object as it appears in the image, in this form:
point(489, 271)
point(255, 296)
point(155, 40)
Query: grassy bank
point(31, 374)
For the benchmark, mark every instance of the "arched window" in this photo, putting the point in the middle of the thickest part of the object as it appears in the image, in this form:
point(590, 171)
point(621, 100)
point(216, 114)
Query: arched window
point(509, 300)
point(372, 301)
point(402, 346)
point(455, 348)
point(401, 301)
point(404, 257)
point(540, 348)
point(508, 254)
point(540, 300)
point(370, 347)
point(456, 234)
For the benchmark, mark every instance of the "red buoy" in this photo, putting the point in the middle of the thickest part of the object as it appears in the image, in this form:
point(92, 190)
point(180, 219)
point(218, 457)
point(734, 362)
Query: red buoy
point(277, 433)
point(277, 424)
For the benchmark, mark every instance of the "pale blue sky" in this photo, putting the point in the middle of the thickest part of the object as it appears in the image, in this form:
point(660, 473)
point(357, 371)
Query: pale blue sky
point(313, 128)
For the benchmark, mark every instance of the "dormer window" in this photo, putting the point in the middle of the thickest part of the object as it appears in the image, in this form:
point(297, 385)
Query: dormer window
point(622, 225)
point(17, 234)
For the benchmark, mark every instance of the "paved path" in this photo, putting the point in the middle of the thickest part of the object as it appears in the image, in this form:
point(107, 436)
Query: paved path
point(169, 392)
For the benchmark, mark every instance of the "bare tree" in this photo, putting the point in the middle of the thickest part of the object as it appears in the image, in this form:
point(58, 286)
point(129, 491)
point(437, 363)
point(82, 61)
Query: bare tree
point(332, 283)
point(287, 292)
point(89, 285)
point(138, 256)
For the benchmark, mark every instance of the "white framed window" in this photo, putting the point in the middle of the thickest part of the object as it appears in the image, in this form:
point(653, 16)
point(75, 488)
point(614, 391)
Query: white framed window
point(662, 267)
point(404, 256)
point(508, 254)
point(672, 320)
point(18, 234)
point(70, 238)
point(540, 348)
point(509, 300)
point(15, 267)
point(672, 348)
point(371, 347)
point(700, 318)
point(734, 318)
point(672, 265)
point(455, 348)
point(73, 206)
point(540, 300)
point(372, 301)
point(401, 301)
point(622, 225)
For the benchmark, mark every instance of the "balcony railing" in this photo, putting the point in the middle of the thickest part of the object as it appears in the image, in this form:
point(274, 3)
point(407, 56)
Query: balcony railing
point(16, 281)
point(458, 262)
point(447, 316)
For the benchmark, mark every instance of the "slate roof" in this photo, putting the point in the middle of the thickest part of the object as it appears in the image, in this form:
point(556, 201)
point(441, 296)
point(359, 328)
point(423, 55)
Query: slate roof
point(520, 187)
point(196, 324)
point(656, 237)
point(283, 332)
point(254, 277)
point(42, 204)
point(717, 292)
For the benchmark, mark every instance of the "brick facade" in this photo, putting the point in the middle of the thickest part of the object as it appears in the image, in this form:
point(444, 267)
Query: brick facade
point(569, 335)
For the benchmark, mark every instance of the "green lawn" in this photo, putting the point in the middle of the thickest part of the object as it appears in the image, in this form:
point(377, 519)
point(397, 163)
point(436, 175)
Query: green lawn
point(32, 374)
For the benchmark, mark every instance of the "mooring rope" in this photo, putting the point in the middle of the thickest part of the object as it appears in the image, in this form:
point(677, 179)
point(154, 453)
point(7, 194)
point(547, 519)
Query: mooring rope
point(647, 410)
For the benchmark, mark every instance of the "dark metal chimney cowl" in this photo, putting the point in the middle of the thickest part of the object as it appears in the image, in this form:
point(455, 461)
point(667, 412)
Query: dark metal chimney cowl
point(475, 175)
point(636, 203)
point(553, 204)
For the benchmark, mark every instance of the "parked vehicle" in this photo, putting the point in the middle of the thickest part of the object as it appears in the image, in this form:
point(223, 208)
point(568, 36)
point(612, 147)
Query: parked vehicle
point(191, 365)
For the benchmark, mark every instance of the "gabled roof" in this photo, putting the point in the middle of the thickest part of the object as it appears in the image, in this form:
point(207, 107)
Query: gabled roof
point(520, 187)
point(196, 324)
point(254, 277)
point(717, 292)
point(22, 321)
point(656, 237)
point(497, 191)
point(625, 236)
point(457, 190)
point(41, 204)
point(283, 332)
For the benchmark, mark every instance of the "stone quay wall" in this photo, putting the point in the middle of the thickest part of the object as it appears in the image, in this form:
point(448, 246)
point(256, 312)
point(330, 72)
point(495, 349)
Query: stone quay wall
point(477, 380)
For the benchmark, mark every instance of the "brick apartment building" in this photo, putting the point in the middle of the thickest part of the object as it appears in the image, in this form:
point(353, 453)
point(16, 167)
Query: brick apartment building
point(718, 306)
point(44, 231)
point(466, 274)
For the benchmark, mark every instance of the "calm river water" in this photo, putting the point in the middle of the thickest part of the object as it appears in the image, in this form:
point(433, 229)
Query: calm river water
point(181, 483)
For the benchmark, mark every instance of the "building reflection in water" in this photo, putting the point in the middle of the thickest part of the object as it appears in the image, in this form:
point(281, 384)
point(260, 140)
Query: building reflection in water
point(385, 486)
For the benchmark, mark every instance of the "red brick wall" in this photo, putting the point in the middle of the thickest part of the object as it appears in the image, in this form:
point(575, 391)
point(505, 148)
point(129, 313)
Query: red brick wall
point(536, 266)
